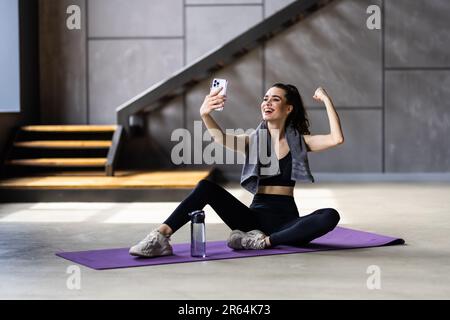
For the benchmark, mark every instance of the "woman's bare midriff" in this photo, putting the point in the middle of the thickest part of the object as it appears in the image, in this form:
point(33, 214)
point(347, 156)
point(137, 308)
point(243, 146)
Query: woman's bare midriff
point(280, 190)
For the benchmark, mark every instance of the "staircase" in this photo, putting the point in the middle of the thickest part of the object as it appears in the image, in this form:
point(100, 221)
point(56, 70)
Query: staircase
point(59, 163)
point(49, 148)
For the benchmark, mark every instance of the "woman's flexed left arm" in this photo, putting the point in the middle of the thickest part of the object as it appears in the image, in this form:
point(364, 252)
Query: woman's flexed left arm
point(335, 137)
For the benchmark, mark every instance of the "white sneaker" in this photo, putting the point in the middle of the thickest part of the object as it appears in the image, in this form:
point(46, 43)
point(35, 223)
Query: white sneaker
point(239, 240)
point(155, 244)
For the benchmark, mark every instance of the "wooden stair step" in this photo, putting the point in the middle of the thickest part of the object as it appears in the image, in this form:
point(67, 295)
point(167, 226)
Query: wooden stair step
point(59, 162)
point(173, 179)
point(64, 144)
point(70, 128)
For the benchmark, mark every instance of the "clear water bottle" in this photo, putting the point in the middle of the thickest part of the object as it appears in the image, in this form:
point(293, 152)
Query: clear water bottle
point(198, 237)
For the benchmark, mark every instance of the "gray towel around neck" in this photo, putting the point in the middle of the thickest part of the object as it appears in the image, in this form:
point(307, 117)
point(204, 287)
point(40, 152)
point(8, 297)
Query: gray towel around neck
point(266, 165)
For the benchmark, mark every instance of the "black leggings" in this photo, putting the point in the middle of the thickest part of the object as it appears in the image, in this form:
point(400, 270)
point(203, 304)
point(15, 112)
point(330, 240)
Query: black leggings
point(275, 215)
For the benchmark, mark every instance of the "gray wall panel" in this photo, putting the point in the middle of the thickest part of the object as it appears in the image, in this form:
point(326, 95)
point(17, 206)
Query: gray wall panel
point(272, 6)
point(361, 151)
point(210, 26)
point(417, 121)
point(62, 64)
point(417, 33)
point(135, 18)
point(121, 69)
point(215, 2)
point(161, 124)
point(333, 49)
point(151, 148)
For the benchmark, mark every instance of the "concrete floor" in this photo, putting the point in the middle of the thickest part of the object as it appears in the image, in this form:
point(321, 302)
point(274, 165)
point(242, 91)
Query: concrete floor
point(31, 233)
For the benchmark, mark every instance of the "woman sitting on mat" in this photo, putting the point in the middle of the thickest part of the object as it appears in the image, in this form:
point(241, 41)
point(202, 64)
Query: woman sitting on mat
point(272, 218)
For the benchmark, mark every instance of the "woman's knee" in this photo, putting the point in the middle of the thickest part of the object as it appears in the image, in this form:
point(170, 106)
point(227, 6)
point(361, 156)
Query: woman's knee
point(332, 216)
point(206, 185)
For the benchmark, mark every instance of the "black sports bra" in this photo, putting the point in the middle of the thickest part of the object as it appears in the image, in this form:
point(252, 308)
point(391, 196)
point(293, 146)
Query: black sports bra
point(284, 178)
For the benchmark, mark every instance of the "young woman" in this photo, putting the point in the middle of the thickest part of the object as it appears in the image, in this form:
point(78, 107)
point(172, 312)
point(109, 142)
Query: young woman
point(272, 218)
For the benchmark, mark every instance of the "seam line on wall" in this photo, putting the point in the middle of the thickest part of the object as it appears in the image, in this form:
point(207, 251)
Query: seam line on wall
point(224, 5)
point(135, 38)
point(417, 69)
point(263, 53)
point(315, 108)
point(87, 64)
point(383, 93)
point(184, 100)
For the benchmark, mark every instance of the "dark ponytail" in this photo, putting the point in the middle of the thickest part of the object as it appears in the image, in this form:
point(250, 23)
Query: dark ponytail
point(298, 116)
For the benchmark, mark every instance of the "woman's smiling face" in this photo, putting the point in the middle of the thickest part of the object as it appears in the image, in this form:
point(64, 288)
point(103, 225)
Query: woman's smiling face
point(273, 106)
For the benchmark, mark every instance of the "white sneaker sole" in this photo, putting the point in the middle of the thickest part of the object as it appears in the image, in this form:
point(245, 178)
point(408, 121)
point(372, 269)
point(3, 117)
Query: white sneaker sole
point(150, 255)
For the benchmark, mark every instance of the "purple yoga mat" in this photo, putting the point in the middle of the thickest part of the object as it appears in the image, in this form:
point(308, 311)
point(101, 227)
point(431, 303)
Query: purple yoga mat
point(339, 238)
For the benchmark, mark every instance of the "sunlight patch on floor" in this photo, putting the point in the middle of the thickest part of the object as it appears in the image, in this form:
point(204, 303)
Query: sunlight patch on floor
point(49, 216)
point(307, 201)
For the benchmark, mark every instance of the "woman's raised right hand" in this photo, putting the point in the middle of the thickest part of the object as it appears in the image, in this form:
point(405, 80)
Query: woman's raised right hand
point(212, 101)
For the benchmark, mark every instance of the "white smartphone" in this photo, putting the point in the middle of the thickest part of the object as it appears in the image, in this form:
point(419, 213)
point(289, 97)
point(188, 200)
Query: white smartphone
point(217, 83)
